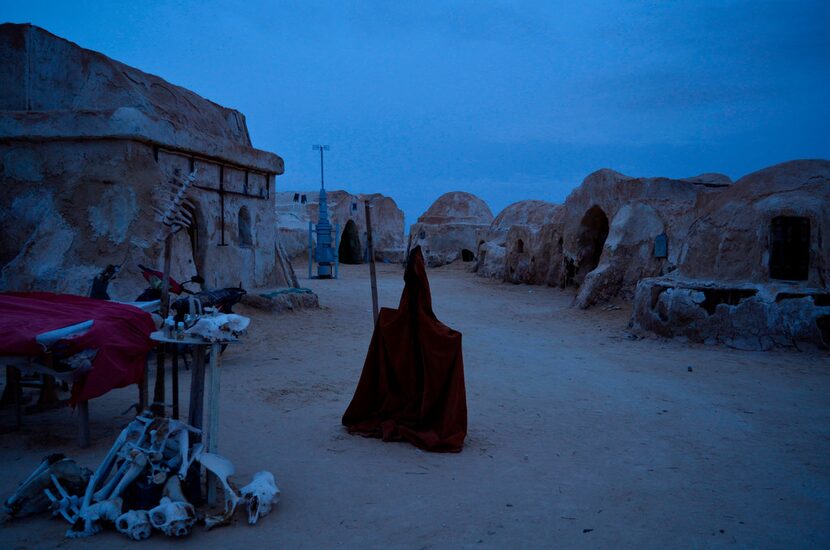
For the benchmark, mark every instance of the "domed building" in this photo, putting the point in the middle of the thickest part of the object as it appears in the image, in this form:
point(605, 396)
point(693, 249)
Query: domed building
point(449, 229)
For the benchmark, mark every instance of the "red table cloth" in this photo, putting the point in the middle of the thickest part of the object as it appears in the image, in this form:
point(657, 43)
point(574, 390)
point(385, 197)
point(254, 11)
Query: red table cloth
point(120, 333)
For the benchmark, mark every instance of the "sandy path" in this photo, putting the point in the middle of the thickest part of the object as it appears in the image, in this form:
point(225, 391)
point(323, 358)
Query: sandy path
point(578, 436)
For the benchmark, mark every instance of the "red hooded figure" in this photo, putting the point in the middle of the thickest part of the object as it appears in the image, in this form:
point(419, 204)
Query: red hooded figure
point(412, 384)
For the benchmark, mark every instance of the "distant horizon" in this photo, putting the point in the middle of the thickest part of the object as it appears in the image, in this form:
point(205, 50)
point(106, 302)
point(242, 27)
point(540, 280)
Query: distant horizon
point(505, 102)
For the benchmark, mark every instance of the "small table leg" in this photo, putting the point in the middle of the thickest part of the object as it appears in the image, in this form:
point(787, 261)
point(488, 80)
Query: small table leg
point(83, 424)
point(14, 394)
point(211, 444)
point(174, 382)
point(48, 392)
point(197, 391)
point(143, 388)
point(194, 411)
point(158, 406)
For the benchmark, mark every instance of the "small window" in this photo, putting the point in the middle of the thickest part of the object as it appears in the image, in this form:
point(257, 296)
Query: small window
point(789, 255)
point(244, 224)
point(520, 246)
point(422, 235)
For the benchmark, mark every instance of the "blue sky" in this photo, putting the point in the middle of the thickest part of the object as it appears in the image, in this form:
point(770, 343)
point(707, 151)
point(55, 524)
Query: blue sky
point(506, 100)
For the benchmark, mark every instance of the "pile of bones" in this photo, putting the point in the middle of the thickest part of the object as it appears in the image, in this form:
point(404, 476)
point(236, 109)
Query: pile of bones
point(142, 485)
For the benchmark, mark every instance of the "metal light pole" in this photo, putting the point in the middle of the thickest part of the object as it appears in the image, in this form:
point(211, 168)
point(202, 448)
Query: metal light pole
point(321, 148)
point(324, 254)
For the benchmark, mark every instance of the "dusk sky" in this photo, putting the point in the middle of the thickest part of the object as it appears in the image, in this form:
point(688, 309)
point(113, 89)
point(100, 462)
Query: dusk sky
point(506, 100)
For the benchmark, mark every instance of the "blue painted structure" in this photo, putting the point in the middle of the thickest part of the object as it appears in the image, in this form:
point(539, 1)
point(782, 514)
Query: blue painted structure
point(324, 254)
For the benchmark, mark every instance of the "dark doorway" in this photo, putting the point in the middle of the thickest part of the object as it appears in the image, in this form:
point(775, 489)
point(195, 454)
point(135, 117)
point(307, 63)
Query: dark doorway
point(467, 255)
point(520, 246)
point(789, 255)
point(244, 226)
point(593, 230)
point(350, 251)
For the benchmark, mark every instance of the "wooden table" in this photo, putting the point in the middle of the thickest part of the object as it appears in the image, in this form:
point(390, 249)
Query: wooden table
point(16, 366)
point(195, 415)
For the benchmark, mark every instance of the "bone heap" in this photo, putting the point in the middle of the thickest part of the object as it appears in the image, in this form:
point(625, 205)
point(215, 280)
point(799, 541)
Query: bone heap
point(142, 484)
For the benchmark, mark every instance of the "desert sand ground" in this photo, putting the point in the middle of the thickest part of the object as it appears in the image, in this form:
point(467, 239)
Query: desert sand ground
point(578, 435)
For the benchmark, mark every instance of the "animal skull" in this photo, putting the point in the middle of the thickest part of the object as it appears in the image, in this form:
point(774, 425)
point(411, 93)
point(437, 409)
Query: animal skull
point(259, 495)
point(91, 520)
point(219, 328)
point(174, 519)
point(135, 524)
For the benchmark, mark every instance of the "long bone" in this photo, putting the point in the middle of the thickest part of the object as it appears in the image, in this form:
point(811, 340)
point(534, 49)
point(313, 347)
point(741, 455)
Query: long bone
point(136, 466)
point(184, 439)
point(107, 488)
point(134, 430)
point(31, 497)
point(67, 505)
point(103, 469)
point(222, 468)
point(172, 431)
point(43, 466)
point(41, 469)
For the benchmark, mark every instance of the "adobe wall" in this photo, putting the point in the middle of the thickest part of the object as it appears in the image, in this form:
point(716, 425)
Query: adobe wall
point(71, 207)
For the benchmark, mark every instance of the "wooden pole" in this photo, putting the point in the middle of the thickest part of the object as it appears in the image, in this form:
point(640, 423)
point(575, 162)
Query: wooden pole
point(164, 308)
point(371, 251)
point(158, 391)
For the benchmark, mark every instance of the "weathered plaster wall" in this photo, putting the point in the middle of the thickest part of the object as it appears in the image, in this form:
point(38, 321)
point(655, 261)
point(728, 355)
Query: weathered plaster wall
point(531, 242)
point(730, 238)
point(71, 208)
point(85, 144)
point(723, 292)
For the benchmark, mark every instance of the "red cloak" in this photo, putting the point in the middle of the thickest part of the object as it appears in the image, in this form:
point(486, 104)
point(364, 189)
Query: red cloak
point(412, 384)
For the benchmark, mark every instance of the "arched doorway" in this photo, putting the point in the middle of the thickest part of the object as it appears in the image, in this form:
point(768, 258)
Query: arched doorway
point(467, 255)
point(350, 251)
point(245, 236)
point(593, 230)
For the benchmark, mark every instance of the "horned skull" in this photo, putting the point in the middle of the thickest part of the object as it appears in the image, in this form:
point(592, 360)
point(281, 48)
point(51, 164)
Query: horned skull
point(135, 524)
point(222, 327)
point(91, 519)
point(259, 495)
point(174, 519)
